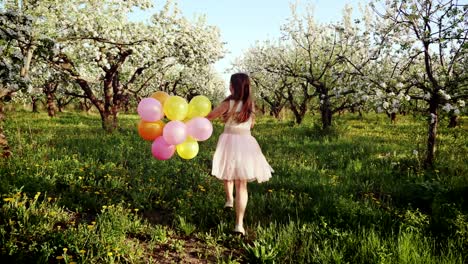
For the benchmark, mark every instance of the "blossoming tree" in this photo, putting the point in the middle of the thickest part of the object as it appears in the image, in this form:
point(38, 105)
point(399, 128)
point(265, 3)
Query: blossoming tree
point(431, 39)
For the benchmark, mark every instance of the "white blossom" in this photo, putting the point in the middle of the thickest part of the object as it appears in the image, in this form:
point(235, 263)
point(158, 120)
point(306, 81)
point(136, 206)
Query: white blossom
point(444, 95)
point(447, 107)
point(433, 118)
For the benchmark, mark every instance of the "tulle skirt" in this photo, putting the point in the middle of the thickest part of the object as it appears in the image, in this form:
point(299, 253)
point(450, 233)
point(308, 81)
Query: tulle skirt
point(239, 157)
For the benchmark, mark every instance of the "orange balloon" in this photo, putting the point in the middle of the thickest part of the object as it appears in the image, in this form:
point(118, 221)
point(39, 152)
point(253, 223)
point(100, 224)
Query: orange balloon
point(160, 96)
point(150, 130)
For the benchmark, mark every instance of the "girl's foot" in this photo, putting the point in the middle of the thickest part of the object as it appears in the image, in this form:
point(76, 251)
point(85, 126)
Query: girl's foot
point(228, 205)
point(239, 230)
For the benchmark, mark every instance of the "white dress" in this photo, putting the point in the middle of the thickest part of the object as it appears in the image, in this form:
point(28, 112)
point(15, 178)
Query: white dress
point(238, 155)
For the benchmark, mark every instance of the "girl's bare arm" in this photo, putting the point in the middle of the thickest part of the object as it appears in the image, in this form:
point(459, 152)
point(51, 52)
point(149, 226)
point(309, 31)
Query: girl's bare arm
point(218, 111)
point(253, 117)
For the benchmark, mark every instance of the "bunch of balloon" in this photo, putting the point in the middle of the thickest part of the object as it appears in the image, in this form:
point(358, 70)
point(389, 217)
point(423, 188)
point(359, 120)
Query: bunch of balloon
point(187, 125)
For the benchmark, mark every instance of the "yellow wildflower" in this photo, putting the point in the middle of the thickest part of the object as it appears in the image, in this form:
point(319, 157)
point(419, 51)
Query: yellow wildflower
point(9, 199)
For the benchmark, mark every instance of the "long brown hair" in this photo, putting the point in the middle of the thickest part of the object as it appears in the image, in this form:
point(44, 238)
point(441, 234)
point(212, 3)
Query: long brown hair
point(241, 92)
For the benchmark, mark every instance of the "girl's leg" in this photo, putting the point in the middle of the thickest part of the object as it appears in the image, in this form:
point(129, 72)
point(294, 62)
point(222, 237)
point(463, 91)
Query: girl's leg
point(228, 189)
point(241, 203)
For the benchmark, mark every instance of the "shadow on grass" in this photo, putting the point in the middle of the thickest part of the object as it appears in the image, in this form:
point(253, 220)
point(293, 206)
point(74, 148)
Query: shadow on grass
point(318, 174)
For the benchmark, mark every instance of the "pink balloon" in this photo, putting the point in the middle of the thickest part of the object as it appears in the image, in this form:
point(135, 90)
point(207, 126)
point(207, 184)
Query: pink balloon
point(175, 132)
point(161, 149)
point(200, 128)
point(150, 110)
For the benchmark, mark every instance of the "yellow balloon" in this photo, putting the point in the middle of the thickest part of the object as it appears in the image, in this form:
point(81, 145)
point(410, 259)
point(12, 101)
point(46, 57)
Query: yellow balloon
point(160, 96)
point(188, 149)
point(175, 108)
point(199, 106)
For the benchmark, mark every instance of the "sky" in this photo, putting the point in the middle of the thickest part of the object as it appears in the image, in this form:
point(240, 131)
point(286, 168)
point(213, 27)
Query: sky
point(243, 22)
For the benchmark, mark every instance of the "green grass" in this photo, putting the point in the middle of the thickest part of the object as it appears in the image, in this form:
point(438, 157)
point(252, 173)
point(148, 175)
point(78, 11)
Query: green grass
point(357, 194)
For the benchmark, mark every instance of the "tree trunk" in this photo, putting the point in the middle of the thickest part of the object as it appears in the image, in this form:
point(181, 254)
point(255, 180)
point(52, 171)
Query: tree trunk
point(453, 121)
point(5, 96)
point(393, 118)
point(298, 114)
point(432, 133)
point(34, 104)
point(275, 111)
point(49, 90)
point(326, 112)
point(276, 114)
point(84, 106)
point(115, 121)
point(50, 103)
point(301, 109)
point(298, 118)
point(108, 121)
point(126, 103)
point(4, 147)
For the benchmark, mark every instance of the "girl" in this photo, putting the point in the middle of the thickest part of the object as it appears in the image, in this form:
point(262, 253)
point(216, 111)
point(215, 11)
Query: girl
point(238, 158)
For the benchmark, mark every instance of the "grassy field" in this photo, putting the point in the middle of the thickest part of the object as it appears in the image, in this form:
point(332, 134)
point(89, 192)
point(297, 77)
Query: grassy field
point(74, 194)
